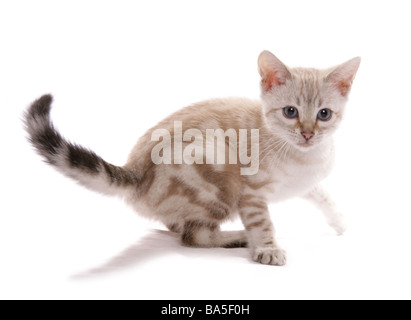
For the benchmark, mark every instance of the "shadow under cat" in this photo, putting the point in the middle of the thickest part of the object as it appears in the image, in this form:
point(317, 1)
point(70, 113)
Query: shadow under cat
point(156, 243)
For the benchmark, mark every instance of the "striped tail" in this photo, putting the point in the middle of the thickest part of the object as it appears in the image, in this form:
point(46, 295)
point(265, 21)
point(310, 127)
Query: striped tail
point(74, 161)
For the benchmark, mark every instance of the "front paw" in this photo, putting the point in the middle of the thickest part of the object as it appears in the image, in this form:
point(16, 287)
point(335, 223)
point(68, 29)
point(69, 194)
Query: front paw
point(338, 223)
point(270, 255)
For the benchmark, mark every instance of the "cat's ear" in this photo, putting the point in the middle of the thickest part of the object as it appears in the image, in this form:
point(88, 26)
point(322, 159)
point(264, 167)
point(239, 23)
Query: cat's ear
point(342, 76)
point(273, 72)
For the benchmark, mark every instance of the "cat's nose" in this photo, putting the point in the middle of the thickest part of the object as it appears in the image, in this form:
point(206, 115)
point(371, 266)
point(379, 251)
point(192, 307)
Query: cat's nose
point(307, 135)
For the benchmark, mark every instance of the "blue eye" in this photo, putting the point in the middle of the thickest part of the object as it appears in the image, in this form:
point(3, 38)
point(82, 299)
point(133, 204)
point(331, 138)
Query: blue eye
point(324, 114)
point(290, 112)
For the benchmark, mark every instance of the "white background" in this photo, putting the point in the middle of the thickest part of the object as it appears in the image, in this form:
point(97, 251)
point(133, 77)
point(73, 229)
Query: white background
point(116, 68)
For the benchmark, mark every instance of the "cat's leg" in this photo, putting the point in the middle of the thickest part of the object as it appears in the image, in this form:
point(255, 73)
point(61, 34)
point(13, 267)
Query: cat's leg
point(174, 227)
point(208, 234)
point(322, 200)
point(260, 231)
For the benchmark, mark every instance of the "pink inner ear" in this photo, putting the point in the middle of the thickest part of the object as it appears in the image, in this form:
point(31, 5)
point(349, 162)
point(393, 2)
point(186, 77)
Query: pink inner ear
point(271, 80)
point(341, 82)
point(343, 76)
point(344, 87)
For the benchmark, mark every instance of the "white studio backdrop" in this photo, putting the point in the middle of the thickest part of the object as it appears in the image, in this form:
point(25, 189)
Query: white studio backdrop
point(116, 68)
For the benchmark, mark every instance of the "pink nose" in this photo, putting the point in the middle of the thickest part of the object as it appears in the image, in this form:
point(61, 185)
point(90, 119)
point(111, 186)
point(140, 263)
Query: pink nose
point(307, 135)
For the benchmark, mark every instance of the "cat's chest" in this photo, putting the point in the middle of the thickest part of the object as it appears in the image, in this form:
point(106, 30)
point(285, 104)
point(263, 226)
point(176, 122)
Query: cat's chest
point(296, 180)
point(293, 180)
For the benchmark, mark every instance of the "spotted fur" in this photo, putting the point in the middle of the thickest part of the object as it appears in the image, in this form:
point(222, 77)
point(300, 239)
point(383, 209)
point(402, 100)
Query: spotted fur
point(193, 200)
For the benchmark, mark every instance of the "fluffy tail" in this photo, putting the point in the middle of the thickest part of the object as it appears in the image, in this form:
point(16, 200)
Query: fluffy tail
point(72, 160)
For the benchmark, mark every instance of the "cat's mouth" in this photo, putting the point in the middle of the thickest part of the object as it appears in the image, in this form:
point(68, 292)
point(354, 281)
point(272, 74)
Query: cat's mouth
point(305, 145)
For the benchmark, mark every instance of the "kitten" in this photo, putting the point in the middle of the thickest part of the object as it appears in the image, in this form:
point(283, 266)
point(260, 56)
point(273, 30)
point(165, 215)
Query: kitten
point(299, 111)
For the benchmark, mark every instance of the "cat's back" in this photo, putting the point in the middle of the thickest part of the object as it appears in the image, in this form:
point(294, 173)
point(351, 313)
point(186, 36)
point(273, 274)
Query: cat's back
point(224, 113)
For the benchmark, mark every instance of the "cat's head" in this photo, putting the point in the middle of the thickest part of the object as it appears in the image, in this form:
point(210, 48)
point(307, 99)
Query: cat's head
point(304, 106)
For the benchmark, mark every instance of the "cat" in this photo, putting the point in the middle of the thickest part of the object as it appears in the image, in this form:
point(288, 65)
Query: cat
point(299, 110)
